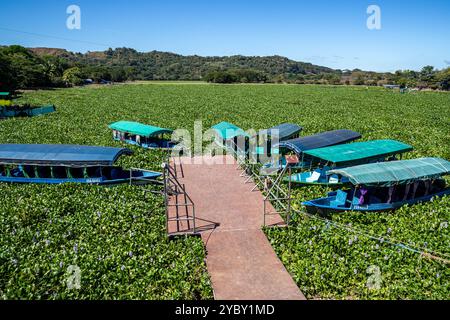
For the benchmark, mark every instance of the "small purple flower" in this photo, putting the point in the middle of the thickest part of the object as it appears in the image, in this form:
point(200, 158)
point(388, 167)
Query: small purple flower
point(122, 267)
point(389, 230)
point(61, 264)
point(350, 242)
point(438, 275)
point(130, 254)
point(14, 262)
point(75, 248)
point(47, 242)
point(99, 214)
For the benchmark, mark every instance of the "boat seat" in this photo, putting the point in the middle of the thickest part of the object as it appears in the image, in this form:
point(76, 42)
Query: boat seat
point(315, 176)
point(341, 199)
point(333, 179)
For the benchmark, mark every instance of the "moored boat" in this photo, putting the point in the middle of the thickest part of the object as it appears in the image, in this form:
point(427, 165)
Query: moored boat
point(56, 164)
point(385, 186)
point(9, 110)
point(25, 111)
point(143, 135)
point(299, 145)
point(322, 160)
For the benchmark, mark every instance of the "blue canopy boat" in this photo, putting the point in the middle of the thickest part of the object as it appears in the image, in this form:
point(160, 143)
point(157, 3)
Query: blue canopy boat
point(385, 186)
point(143, 135)
point(9, 110)
point(345, 155)
point(299, 145)
point(56, 164)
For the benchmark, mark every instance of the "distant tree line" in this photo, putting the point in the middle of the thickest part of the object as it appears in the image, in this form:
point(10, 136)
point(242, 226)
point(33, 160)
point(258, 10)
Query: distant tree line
point(46, 67)
point(236, 76)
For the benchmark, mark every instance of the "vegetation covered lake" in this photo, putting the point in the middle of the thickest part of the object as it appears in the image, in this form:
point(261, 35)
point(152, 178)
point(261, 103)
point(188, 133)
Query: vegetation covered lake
point(116, 235)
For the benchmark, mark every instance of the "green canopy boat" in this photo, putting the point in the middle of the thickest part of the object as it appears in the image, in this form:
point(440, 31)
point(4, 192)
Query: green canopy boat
point(231, 136)
point(143, 135)
point(341, 156)
point(385, 186)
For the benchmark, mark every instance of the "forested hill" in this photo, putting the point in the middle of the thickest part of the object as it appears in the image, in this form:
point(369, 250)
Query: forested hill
point(169, 66)
point(22, 68)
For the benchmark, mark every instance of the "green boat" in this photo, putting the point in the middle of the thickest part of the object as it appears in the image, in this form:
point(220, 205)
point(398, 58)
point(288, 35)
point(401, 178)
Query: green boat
point(143, 135)
point(323, 160)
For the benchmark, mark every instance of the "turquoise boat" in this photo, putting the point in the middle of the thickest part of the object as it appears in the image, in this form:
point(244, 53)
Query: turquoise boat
point(299, 145)
point(231, 137)
point(142, 135)
point(25, 111)
point(9, 110)
point(323, 160)
point(385, 186)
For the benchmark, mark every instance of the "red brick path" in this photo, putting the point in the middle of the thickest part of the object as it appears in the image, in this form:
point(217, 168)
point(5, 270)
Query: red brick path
point(240, 259)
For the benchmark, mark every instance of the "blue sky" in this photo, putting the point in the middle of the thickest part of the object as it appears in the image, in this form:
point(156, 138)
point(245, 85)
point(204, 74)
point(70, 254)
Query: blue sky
point(330, 33)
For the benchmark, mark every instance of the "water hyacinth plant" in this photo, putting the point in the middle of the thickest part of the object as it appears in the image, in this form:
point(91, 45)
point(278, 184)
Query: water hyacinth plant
point(121, 247)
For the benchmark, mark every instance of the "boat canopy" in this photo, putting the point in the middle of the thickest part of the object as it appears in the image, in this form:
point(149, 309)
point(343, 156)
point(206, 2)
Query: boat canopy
point(320, 140)
point(354, 152)
point(227, 131)
point(138, 128)
point(284, 131)
point(2, 94)
point(59, 154)
point(386, 174)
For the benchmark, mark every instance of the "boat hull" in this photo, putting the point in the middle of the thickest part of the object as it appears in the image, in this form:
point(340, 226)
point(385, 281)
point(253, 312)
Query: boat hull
point(164, 144)
point(26, 112)
point(323, 206)
point(139, 177)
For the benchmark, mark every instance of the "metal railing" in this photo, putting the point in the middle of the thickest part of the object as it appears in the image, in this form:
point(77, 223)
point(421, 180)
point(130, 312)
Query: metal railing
point(274, 194)
point(174, 190)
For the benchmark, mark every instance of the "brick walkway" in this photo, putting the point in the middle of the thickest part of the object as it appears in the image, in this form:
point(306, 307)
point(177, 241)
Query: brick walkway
point(240, 259)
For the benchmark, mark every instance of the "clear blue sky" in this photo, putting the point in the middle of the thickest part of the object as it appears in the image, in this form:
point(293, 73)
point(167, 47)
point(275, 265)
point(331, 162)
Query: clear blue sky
point(413, 33)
